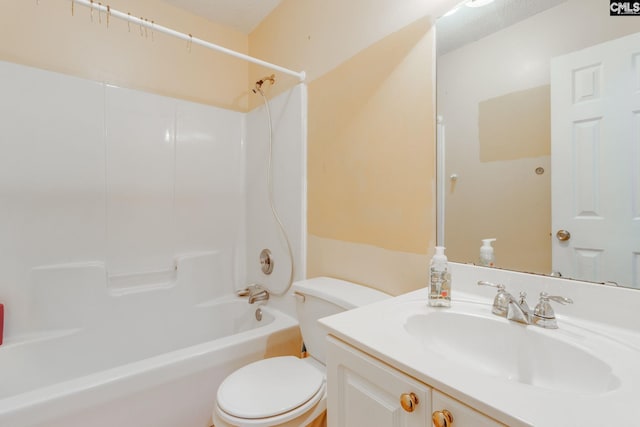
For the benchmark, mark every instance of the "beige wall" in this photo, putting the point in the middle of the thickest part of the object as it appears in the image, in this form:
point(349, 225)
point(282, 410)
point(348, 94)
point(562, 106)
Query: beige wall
point(371, 167)
point(516, 125)
point(45, 35)
point(317, 36)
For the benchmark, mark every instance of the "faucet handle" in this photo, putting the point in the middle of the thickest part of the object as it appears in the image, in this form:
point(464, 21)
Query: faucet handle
point(522, 301)
point(543, 314)
point(557, 298)
point(500, 286)
point(243, 292)
point(249, 290)
point(501, 301)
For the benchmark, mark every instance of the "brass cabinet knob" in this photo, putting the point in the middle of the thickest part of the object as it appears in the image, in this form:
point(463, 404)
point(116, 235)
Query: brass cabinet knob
point(563, 235)
point(442, 418)
point(409, 401)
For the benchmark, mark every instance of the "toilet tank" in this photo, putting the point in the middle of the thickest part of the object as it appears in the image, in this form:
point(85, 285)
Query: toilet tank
point(323, 296)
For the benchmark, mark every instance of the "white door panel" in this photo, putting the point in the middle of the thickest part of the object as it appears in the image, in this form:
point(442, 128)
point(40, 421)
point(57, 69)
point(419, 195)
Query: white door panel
point(595, 106)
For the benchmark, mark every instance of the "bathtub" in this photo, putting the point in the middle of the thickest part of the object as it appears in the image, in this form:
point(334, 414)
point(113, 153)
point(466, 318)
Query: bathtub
point(158, 368)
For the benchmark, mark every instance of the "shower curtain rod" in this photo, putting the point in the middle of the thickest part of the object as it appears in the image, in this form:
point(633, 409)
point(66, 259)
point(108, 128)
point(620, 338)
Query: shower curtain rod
point(188, 37)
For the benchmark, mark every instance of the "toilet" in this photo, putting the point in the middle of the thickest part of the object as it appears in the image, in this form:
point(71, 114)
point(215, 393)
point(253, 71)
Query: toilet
point(288, 391)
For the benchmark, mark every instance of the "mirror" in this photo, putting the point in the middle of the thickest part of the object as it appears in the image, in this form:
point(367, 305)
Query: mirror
point(538, 146)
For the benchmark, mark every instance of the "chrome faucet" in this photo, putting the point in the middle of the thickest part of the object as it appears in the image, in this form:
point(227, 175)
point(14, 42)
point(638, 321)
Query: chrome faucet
point(257, 293)
point(505, 305)
point(543, 314)
point(518, 310)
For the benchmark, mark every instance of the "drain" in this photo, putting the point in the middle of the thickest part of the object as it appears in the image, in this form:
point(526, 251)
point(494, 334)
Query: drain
point(259, 314)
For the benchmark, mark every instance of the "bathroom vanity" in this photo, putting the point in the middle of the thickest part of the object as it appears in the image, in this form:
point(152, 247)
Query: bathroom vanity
point(364, 391)
point(403, 363)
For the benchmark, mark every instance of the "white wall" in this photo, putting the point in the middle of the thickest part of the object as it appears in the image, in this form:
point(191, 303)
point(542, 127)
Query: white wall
point(109, 194)
point(288, 112)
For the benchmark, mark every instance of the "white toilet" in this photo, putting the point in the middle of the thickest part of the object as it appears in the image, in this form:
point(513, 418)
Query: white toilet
point(287, 391)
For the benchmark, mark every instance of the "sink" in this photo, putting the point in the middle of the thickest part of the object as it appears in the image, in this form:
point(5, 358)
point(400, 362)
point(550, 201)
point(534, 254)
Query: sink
point(502, 349)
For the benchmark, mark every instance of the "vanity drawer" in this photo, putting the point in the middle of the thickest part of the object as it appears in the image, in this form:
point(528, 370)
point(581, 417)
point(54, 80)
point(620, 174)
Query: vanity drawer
point(463, 416)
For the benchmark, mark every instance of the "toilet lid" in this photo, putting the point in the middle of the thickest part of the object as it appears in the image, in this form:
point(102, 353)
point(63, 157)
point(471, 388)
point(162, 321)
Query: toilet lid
point(269, 387)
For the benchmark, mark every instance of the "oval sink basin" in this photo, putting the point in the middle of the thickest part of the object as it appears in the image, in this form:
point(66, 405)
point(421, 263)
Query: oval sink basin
point(503, 349)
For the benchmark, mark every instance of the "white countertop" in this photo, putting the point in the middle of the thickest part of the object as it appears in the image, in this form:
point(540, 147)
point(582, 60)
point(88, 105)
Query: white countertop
point(378, 330)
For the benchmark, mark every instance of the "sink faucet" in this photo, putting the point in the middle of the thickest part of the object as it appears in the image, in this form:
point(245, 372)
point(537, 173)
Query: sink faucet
point(518, 310)
point(506, 305)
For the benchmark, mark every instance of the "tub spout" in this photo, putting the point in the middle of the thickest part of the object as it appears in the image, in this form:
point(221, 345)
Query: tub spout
point(257, 293)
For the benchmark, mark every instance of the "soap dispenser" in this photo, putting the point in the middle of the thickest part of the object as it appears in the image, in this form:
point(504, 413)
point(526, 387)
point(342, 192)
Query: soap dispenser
point(487, 256)
point(439, 280)
point(1, 322)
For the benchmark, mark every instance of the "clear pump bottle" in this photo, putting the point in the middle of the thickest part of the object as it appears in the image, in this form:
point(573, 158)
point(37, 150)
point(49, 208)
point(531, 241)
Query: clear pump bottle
point(487, 256)
point(439, 280)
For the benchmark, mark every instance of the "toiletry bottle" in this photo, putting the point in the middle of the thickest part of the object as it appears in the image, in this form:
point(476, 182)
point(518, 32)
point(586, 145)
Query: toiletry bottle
point(439, 280)
point(1, 322)
point(487, 257)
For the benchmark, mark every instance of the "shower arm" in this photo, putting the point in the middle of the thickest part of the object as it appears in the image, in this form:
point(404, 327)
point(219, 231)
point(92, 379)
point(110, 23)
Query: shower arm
point(258, 87)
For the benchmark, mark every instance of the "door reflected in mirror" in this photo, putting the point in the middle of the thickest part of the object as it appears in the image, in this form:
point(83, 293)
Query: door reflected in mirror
point(539, 129)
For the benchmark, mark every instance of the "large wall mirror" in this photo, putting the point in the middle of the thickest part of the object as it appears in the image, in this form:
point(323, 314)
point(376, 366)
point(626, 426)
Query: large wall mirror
point(539, 137)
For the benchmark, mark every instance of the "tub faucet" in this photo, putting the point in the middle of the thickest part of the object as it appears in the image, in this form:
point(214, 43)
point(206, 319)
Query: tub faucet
point(257, 293)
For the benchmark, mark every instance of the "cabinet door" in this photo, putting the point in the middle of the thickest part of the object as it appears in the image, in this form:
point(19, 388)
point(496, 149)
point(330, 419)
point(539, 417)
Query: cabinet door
point(463, 415)
point(362, 391)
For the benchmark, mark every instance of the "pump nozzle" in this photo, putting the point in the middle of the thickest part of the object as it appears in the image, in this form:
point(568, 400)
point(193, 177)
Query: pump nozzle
point(487, 242)
point(439, 257)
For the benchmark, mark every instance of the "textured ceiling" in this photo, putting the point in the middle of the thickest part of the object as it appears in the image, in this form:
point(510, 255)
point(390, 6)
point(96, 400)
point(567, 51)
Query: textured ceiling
point(243, 15)
point(469, 24)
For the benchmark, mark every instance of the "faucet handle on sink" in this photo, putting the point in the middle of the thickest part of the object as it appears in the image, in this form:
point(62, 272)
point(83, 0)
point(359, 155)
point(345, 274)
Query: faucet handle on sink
point(502, 299)
point(522, 301)
point(557, 298)
point(543, 314)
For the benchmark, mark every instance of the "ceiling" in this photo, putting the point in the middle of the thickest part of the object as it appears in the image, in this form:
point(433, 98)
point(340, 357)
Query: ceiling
point(243, 15)
point(469, 24)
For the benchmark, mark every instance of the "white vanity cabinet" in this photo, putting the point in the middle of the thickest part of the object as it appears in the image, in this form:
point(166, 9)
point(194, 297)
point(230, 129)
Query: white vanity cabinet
point(362, 391)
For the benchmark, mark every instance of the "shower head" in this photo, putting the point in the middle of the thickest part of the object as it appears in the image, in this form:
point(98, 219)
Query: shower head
point(258, 87)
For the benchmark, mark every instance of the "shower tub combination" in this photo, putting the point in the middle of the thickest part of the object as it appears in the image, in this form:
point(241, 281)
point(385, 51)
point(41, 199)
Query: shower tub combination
point(132, 218)
point(156, 367)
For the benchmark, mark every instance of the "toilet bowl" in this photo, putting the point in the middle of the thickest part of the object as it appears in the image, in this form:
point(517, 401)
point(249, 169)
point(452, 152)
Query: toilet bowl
point(296, 394)
point(287, 391)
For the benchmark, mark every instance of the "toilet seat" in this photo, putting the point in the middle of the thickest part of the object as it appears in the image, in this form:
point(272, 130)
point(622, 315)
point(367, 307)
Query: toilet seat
point(270, 391)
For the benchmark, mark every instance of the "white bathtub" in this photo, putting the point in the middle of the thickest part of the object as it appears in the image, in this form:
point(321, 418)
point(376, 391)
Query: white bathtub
point(159, 368)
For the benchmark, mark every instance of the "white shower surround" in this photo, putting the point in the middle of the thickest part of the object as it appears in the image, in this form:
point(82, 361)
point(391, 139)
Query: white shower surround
point(110, 198)
point(289, 188)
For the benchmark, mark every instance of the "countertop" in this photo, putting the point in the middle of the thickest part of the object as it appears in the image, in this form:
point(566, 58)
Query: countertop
point(378, 330)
